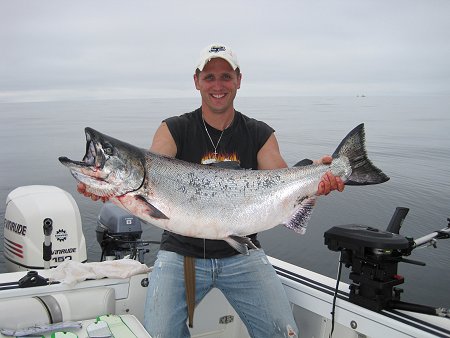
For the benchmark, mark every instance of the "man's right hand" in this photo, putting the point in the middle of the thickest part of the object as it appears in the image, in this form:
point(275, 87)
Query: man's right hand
point(81, 188)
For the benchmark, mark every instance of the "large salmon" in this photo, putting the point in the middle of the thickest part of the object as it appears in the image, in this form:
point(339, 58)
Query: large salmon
point(210, 202)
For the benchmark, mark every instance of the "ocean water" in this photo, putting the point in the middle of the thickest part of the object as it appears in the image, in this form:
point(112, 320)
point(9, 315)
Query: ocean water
point(407, 137)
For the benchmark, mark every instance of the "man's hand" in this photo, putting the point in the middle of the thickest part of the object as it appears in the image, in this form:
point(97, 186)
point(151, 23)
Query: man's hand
point(329, 182)
point(81, 188)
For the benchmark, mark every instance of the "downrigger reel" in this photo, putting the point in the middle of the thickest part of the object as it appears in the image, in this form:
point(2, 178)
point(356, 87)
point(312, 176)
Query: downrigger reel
point(373, 256)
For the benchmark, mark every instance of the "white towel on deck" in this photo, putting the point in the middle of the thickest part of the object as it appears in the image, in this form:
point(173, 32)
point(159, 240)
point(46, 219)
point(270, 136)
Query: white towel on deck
point(71, 272)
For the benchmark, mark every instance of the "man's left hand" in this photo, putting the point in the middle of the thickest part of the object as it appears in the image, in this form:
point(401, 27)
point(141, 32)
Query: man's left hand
point(329, 182)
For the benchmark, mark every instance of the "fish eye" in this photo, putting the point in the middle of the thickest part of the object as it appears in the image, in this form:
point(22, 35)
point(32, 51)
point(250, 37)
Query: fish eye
point(107, 149)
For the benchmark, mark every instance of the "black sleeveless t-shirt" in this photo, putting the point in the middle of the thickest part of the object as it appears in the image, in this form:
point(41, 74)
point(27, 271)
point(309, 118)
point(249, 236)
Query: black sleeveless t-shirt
point(240, 142)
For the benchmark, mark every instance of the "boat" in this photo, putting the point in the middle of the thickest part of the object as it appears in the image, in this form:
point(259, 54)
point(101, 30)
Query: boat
point(43, 238)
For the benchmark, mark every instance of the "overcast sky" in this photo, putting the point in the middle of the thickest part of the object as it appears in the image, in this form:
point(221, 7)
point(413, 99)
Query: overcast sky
point(82, 49)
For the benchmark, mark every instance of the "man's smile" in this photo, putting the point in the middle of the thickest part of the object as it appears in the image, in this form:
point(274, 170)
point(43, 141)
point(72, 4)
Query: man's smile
point(218, 96)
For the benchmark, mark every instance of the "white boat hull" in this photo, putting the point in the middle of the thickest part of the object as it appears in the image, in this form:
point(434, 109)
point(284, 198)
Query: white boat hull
point(311, 295)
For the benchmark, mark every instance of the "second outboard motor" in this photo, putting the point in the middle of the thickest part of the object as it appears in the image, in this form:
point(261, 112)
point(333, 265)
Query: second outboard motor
point(119, 234)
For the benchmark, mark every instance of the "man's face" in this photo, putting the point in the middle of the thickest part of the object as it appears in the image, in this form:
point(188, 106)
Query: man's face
point(218, 84)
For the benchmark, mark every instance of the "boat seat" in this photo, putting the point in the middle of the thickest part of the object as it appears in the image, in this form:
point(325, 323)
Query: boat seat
point(23, 312)
point(123, 326)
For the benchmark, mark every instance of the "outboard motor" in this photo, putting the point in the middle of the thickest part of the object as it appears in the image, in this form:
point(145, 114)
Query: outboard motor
point(42, 229)
point(119, 234)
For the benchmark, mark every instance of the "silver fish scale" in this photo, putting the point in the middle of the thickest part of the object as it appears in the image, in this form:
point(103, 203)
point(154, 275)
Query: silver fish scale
point(211, 182)
point(239, 202)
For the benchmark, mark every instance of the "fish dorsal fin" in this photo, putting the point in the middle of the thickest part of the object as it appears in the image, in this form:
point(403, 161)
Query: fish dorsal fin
point(241, 244)
point(299, 220)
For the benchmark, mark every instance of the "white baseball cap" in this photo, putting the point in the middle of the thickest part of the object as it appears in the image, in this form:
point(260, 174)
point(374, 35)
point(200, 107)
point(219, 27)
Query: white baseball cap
point(217, 50)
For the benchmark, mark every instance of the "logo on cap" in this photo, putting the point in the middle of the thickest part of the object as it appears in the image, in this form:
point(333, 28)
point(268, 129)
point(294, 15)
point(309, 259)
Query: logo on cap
point(217, 49)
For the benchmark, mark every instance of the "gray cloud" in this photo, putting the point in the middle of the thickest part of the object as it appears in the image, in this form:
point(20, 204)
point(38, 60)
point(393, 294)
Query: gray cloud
point(99, 49)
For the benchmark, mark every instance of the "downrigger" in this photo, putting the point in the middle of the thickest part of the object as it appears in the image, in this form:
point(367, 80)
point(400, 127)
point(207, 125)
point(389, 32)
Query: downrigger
point(373, 256)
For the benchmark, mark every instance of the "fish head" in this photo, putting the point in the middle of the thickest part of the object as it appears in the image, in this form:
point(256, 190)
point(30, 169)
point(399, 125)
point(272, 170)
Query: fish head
point(109, 167)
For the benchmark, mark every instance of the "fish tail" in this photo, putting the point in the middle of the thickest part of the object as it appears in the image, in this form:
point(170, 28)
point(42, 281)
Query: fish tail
point(363, 171)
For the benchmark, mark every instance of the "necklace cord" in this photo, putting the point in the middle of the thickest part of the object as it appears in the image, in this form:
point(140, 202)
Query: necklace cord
point(215, 146)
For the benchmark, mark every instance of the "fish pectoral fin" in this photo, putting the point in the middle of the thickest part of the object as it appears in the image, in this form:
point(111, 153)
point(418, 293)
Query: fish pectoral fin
point(299, 221)
point(241, 244)
point(152, 210)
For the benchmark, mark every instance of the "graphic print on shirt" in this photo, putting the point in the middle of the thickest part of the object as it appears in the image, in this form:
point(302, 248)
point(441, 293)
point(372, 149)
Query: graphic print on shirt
point(210, 158)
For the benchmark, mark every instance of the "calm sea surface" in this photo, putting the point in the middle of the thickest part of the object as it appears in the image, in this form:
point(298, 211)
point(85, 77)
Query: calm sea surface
point(407, 137)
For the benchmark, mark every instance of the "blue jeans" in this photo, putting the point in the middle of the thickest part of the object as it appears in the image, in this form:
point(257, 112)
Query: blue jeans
point(250, 284)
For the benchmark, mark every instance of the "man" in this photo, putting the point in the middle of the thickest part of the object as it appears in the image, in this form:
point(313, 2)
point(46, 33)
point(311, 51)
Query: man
point(216, 134)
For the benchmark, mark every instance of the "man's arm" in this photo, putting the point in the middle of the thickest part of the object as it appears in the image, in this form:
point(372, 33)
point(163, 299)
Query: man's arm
point(269, 157)
point(163, 142)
